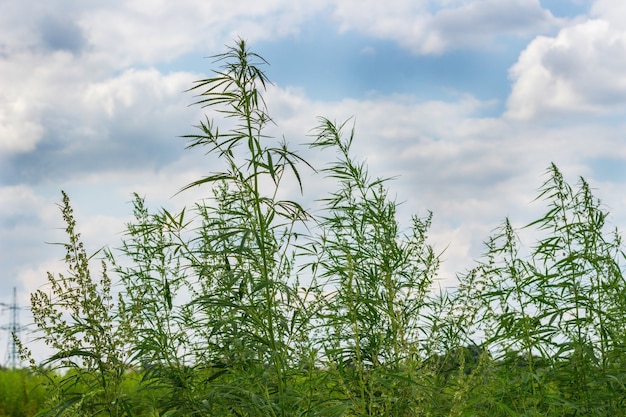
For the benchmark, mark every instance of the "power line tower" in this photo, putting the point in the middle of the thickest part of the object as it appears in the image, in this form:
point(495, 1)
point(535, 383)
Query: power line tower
point(14, 328)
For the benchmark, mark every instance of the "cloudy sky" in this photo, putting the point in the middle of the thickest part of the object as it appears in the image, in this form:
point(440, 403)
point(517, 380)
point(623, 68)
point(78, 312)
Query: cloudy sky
point(467, 102)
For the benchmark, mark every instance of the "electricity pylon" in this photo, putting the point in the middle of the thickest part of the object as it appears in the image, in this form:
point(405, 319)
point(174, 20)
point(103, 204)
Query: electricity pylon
point(14, 328)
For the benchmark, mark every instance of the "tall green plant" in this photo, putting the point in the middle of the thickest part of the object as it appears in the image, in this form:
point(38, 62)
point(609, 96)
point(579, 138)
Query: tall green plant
point(76, 318)
point(552, 317)
point(152, 277)
point(377, 281)
point(245, 311)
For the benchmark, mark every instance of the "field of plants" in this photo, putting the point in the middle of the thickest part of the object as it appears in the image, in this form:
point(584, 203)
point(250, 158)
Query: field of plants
point(249, 305)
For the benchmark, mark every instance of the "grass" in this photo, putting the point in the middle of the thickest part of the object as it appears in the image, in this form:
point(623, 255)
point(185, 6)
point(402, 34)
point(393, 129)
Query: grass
point(21, 393)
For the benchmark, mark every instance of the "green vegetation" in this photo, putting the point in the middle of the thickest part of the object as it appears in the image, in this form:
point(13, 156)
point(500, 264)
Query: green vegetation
point(21, 393)
point(249, 305)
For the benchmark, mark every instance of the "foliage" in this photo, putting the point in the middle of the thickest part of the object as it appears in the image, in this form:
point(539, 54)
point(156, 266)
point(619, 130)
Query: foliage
point(557, 314)
point(21, 393)
point(76, 319)
point(246, 304)
point(376, 283)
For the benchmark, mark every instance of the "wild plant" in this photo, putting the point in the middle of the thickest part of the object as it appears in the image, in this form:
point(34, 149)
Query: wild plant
point(377, 280)
point(552, 316)
point(245, 309)
point(76, 318)
point(151, 278)
point(248, 305)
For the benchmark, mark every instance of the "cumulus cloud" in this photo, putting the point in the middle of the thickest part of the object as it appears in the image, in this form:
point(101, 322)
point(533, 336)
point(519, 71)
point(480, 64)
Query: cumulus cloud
point(142, 91)
point(470, 171)
point(23, 230)
point(62, 62)
point(20, 129)
point(455, 25)
point(61, 33)
point(118, 34)
point(133, 31)
point(125, 120)
point(581, 70)
point(613, 11)
point(43, 26)
point(32, 89)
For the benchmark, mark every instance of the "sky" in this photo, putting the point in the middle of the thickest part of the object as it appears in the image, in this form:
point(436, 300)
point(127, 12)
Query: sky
point(465, 102)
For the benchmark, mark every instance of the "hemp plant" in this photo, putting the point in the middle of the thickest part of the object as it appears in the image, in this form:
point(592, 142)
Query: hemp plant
point(377, 281)
point(77, 319)
point(151, 276)
point(244, 311)
point(554, 318)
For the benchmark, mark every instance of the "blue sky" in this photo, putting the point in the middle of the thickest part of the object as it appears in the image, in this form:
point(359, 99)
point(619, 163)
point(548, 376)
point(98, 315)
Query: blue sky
point(467, 102)
point(351, 65)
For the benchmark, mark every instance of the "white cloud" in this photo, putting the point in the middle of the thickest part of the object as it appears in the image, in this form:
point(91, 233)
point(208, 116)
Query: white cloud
point(86, 111)
point(582, 70)
point(118, 34)
point(133, 31)
point(20, 129)
point(52, 54)
point(613, 11)
point(20, 200)
point(98, 37)
point(457, 24)
point(471, 171)
point(141, 92)
point(33, 87)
